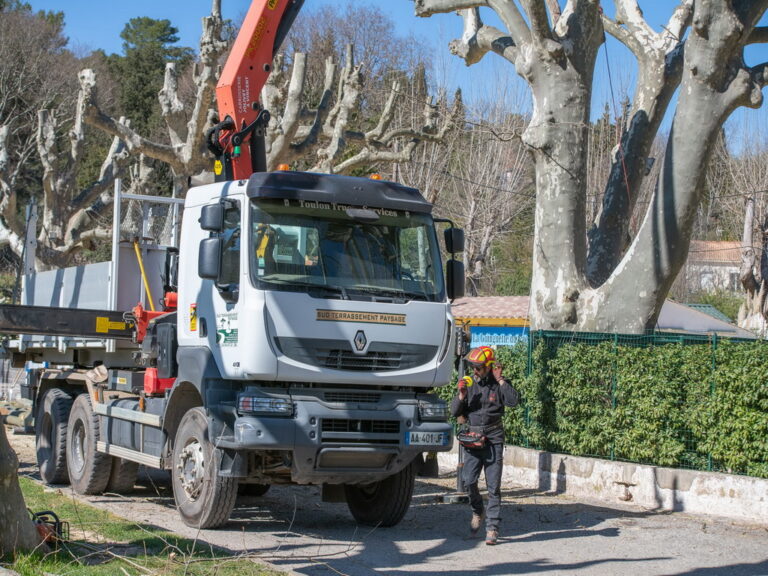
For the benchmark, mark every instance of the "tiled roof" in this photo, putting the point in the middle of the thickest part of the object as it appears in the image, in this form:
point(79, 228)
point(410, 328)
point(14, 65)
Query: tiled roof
point(491, 307)
point(702, 251)
point(673, 316)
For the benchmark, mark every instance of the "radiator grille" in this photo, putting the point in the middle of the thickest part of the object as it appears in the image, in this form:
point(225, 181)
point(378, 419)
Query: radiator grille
point(344, 360)
point(339, 354)
point(340, 425)
point(354, 397)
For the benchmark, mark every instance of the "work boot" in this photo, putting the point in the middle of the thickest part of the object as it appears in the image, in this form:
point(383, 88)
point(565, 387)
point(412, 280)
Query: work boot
point(476, 522)
point(491, 537)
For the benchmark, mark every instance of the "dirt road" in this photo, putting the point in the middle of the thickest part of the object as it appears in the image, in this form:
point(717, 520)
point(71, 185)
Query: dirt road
point(542, 533)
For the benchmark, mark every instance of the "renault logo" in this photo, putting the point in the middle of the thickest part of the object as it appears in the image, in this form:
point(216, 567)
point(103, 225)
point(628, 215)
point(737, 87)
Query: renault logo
point(360, 341)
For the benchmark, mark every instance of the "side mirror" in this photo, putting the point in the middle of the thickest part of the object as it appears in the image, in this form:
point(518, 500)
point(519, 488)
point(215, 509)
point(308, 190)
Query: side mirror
point(454, 278)
point(171, 275)
point(212, 218)
point(454, 240)
point(209, 259)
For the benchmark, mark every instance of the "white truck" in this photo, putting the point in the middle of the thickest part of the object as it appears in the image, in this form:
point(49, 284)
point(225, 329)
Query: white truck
point(305, 319)
point(311, 321)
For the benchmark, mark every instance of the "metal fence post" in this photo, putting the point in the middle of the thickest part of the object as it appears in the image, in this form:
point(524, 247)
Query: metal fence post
point(460, 496)
point(712, 388)
point(614, 363)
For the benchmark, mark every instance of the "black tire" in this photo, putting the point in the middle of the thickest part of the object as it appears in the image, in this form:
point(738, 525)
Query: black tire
point(253, 489)
point(427, 465)
point(122, 477)
point(89, 470)
point(51, 436)
point(204, 499)
point(382, 503)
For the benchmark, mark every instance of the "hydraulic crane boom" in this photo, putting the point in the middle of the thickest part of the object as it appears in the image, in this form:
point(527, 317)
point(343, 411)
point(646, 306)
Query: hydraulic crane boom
point(237, 140)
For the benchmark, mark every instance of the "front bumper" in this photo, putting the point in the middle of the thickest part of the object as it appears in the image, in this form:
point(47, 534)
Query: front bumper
point(338, 442)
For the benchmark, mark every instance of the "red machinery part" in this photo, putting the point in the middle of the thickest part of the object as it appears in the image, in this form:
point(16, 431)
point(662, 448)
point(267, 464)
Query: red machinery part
point(154, 385)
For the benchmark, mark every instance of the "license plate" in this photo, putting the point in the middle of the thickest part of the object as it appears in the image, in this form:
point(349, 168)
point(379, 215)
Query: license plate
point(427, 438)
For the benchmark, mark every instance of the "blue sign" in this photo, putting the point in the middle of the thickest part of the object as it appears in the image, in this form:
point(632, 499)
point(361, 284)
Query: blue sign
point(497, 335)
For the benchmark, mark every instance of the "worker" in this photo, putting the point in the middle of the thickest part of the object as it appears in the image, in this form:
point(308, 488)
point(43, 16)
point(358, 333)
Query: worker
point(481, 400)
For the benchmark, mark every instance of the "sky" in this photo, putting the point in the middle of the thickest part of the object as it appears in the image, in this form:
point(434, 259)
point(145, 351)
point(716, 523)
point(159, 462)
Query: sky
point(92, 24)
point(97, 24)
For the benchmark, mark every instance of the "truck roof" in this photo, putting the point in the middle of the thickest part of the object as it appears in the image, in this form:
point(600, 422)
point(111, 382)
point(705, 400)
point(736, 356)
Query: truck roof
point(333, 188)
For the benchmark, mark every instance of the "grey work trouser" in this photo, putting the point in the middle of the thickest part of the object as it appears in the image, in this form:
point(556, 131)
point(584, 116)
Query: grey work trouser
point(490, 458)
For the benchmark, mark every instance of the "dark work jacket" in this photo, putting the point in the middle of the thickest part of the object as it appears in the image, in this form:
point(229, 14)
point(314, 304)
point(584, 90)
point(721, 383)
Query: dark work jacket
point(484, 406)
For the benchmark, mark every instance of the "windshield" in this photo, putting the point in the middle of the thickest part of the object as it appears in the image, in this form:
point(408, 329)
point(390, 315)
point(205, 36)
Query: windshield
point(342, 252)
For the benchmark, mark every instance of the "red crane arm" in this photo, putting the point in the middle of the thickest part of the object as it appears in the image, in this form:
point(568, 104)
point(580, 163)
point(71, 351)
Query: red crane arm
point(245, 72)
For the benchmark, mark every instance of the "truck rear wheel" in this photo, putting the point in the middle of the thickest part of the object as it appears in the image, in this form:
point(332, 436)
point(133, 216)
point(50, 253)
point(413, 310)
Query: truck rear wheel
point(51, 436)
point(122, 477)
point(382, 503)
point(88, 469)
point(204, 499)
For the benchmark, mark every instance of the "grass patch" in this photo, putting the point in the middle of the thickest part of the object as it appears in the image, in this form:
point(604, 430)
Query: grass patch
point(102, 544)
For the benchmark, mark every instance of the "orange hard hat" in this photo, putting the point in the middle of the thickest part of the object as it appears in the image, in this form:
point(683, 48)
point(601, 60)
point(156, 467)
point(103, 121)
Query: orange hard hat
point(481, 356)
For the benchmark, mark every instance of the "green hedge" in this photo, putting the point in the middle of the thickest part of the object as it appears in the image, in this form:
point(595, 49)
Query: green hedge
point(685, 404)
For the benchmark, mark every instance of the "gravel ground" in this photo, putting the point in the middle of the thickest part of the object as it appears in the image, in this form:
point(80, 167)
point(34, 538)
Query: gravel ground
point(291, 529)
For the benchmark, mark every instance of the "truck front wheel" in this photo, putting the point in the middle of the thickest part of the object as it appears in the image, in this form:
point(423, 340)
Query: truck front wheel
point(382, 503)
point(204, 499)
point(88, 469)
point(51, 436)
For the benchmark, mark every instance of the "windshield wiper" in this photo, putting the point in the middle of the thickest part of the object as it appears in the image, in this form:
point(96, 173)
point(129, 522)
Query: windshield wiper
point(375, 291)
point(417, 296)
point(310, 287)
point(402, 293)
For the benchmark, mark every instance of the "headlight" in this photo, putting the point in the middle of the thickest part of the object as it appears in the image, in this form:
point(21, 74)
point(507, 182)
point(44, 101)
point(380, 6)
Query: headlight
point(435, 410)
point(264, 405)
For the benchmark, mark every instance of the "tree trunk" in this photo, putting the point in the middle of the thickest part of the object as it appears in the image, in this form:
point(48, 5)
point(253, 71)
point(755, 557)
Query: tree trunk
point(602, 287)
point(713, 85)
point(560, 145)
point(752, 311)
point(17, 532)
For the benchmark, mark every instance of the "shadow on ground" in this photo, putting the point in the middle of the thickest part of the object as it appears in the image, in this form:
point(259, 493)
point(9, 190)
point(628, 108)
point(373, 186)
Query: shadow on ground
point(291, 528)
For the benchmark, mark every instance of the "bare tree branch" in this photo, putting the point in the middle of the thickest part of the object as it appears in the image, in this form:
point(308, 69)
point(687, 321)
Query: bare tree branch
point(621, 34)
point(426, 8)
point(554, 11)
point(679, 21)
point(513, 20)
point(283, 130)
point(746, 273)
point(479, 39)
point(172, 107)
point(508, 12)
point(134, 142)
point(8, 216)
point(537, 15)
point(387, 114)
point(758, 36)
point(660, 71)
point(186, 128)
point(308, 136)
point(759, 74)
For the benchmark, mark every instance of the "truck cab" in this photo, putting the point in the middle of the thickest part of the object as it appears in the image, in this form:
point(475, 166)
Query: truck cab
point(304, 322)
point(313, 321)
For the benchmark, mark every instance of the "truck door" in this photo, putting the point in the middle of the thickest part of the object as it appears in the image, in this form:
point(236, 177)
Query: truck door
point(226, 294)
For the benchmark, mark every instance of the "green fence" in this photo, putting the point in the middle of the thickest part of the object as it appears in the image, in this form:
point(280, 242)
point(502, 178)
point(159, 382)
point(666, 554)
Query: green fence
point(664, 399)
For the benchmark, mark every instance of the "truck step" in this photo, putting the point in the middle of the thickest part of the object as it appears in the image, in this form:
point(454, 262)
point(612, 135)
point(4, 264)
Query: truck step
point(128, 454)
